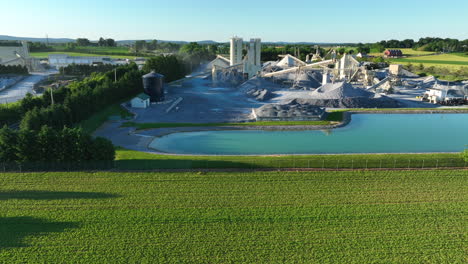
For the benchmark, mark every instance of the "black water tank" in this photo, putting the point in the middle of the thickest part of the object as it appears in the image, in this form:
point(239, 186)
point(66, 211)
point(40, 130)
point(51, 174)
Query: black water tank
point(153, 83)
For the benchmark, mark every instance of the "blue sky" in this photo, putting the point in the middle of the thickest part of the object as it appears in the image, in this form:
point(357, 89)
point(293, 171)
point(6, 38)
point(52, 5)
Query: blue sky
point(273, 20)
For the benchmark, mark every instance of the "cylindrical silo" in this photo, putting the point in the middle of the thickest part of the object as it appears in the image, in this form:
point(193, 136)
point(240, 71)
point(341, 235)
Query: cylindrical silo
point(153, 83)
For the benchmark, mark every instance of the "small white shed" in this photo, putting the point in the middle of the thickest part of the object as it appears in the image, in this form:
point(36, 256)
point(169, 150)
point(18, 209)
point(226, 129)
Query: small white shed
point(141, 101)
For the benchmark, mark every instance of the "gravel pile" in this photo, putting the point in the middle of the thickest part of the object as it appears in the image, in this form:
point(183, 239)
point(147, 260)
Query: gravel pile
point(259, 88)
point(344, 95)
point(292, 110)
point(303, 80)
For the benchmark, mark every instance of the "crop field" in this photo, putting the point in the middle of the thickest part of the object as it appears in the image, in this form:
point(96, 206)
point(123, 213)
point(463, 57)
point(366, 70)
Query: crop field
point(455, 60)
point(46, 54)
point(250, 217)
point(411, 52)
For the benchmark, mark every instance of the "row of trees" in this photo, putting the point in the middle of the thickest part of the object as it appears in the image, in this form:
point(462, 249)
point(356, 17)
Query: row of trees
point(79, 100)
point(50, 145)
point(271, 52)
point(102, 42)
point(85, 69)
point(194, 53)
point(143, 45)
point(172, 67)
point(13, 69)
point(428, 44)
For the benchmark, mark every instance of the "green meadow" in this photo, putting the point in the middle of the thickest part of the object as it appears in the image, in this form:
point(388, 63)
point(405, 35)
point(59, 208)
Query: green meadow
point(237, 217)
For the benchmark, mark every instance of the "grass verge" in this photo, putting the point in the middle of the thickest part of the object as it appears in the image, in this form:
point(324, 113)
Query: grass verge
point(136, 160)
point(260, 217)
point(332, 118)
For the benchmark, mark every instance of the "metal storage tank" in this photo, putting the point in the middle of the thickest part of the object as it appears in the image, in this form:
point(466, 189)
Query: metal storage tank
point(153, 83)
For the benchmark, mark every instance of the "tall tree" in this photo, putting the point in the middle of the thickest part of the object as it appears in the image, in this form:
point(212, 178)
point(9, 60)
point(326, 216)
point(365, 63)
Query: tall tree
point(83, 42)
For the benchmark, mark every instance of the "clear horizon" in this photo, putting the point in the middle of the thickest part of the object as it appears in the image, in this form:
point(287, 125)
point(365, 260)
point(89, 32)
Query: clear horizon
point(184, 20)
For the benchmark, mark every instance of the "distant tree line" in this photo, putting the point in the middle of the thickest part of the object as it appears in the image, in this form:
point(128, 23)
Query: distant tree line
point(272, 52)
point(10, 43)
point(423, 44)
point(39, 46)
point(194, 54)
point(13, 69)
point(85, 69)
point(102, 42)
point(51, 145)
point(143, 45)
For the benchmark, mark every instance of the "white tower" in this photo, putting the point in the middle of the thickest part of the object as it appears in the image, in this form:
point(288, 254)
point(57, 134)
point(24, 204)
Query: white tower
point(255, 49)
point(236, 50)
point(253, 65)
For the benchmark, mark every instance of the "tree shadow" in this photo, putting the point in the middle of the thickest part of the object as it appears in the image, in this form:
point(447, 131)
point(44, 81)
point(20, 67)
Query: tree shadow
point(155, 164)
point(13, 230)
point(50, 195)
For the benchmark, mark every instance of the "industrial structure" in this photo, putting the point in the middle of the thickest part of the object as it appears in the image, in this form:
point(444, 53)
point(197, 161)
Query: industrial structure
point(140, 101)
point(17, 53)
point(63, 60)
point(153, 84)
point(240, 68)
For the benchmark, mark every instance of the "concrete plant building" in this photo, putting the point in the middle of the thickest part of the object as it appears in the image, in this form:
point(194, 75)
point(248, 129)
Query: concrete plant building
point(17, 53)
point(140, 101)
point(238, 66)
point(63, 60)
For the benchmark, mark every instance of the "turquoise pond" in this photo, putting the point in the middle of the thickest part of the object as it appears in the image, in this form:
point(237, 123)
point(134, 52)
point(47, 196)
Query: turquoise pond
point(366, 133)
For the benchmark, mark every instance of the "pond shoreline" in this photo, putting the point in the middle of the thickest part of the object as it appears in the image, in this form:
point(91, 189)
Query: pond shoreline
point(347, 117)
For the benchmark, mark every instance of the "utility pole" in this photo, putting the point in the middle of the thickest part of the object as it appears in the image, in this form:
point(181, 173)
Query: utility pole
point(115, 75)
point(52, 95)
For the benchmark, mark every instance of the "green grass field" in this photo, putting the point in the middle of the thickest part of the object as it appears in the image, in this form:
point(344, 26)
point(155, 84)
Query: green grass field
point(261, 217)
point(46, 54)
point(452, 61)
point(410, 52)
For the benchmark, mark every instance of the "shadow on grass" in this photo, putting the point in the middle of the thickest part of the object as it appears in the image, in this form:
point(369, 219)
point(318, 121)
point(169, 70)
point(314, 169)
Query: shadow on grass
point(345, 162)
point(154, 164)
point(50, 195)
point(13, 230)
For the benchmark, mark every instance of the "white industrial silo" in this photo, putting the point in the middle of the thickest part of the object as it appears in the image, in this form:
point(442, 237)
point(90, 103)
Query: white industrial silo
point(236, 50)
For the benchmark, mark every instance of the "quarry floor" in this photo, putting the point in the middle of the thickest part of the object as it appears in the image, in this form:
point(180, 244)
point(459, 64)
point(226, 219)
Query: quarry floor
point(203, 103)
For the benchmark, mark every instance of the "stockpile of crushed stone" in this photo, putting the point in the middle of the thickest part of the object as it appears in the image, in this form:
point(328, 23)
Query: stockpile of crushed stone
point(302, 80)
point(259, 88)
point(344, 95)
point(293, 109)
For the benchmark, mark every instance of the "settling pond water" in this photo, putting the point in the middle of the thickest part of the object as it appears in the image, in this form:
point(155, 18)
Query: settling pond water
point(366, 133)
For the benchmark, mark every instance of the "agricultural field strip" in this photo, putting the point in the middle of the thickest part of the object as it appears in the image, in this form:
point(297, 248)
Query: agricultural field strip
point(266, 217)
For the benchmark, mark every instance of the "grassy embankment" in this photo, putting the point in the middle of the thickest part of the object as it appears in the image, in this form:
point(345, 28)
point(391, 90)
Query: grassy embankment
point(136, 160)
point(333, 118)
point(261, 217)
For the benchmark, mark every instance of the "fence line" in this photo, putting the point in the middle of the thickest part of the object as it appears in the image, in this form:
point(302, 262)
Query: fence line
point(259, 163)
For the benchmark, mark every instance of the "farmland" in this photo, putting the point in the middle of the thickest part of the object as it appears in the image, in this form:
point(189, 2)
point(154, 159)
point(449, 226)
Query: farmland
point(46, 54)
point(256, 217)
point(411, 52)
point(455, 60)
